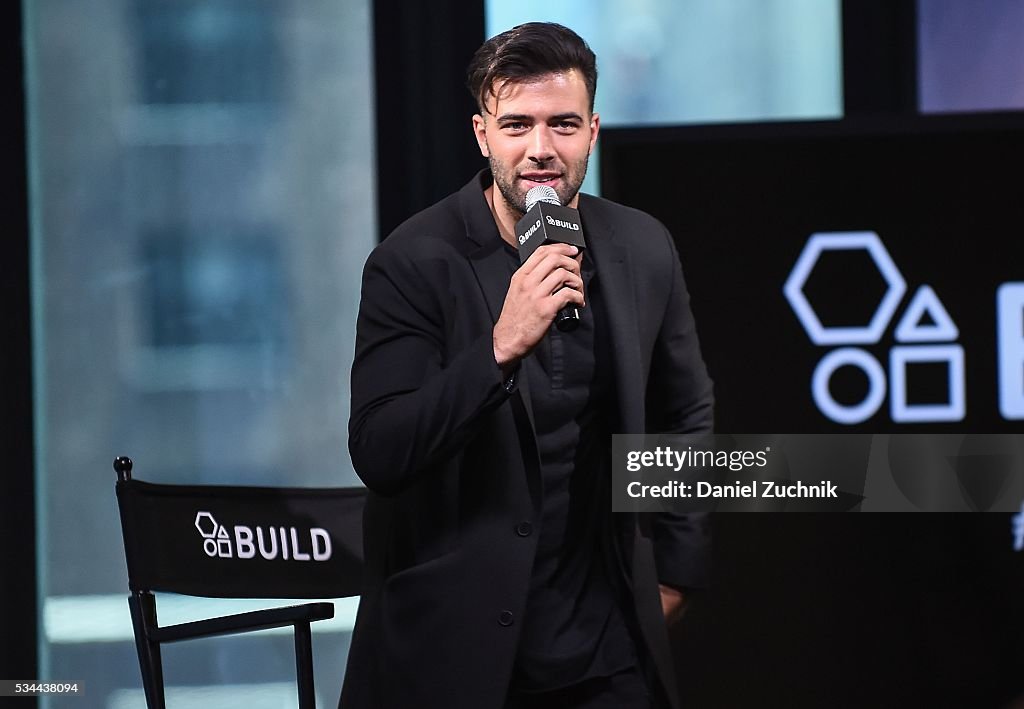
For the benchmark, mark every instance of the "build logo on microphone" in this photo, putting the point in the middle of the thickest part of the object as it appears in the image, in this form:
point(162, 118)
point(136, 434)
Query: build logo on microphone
point(924, 334)
point(270, 542)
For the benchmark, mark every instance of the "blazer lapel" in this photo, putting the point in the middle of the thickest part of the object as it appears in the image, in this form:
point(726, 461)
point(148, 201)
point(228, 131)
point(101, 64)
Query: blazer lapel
point(490, 264)
point(613, 265)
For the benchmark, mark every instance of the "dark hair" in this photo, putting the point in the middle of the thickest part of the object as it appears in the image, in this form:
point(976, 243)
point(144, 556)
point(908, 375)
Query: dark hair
point(528, 51)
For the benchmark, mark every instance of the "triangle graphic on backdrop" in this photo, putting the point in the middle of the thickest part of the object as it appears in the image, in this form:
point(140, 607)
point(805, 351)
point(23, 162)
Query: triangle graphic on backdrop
point(926, 320)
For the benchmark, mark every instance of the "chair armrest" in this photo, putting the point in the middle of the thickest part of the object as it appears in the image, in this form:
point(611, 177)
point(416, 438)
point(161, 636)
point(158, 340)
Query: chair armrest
point(243, 622)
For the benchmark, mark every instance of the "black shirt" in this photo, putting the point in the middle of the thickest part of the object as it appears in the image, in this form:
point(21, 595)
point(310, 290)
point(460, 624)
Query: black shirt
point(573, 627)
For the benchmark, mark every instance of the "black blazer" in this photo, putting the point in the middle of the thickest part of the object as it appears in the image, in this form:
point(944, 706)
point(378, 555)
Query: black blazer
point(448, 453)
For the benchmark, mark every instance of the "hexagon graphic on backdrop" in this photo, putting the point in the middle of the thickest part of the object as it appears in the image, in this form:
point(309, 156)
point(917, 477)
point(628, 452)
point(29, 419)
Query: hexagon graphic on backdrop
point(844, 241)
point(204, 521)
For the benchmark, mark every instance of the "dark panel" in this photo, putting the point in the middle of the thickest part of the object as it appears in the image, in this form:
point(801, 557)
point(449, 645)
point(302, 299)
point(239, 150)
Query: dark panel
point(885, 611)
point(17, 514)
point(882, 610)
point(879, 57)
point(742, 203)
point(425, 145)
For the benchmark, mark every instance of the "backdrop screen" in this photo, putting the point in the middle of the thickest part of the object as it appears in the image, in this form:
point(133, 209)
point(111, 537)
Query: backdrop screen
point(841, 278)
point(864, 281)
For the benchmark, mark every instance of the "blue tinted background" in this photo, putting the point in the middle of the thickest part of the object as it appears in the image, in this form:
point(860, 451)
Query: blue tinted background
point(970, 55)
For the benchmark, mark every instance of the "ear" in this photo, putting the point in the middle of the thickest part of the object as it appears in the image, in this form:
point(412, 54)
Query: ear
point(480, 133)
point(595, 128)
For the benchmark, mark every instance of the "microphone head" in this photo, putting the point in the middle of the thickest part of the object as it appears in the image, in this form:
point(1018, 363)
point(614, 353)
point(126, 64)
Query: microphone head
point(541, 193)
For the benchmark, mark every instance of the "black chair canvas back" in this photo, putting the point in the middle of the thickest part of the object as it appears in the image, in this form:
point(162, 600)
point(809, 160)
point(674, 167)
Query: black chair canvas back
point(236, 542)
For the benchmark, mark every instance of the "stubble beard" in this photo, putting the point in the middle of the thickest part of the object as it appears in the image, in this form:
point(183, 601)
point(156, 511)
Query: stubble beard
point(507, 183)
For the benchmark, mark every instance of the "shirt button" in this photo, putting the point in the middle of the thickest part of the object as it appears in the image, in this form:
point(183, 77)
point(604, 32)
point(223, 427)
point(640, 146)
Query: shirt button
point(524, 529)
point(510, 383)
point(505, 618)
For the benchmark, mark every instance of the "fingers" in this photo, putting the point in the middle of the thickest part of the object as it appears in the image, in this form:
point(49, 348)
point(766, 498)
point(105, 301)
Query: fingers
point(550, 256)
point(553, 273)
point(565, 286)
point(547, 282)
point(550, 268)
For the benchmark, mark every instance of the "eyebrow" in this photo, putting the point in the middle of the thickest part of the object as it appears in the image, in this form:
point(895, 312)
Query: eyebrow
point(526, 117)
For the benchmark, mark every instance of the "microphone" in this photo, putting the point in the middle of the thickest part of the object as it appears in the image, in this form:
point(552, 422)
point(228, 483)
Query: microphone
point(547, 222)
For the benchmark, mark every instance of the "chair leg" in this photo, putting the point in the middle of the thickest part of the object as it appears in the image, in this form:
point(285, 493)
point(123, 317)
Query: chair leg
point(304, 666)
point(143, 612)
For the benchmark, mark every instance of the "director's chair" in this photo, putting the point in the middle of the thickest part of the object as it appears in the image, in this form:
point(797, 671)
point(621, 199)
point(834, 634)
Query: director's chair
point(236, 542)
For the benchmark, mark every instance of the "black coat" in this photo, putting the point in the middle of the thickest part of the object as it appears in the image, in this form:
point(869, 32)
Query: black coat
point(450, 459)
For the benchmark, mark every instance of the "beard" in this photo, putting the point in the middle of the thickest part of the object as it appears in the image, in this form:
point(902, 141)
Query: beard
point(507, 180)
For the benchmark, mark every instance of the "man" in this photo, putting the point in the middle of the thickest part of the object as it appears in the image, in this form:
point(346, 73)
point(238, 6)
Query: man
point(497, 575)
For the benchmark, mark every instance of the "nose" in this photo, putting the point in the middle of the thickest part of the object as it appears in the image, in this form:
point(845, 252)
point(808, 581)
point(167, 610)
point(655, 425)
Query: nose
point(540, 149)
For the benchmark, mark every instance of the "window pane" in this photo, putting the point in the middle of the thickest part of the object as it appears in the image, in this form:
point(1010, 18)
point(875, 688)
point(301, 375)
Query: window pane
point(203, 201)
point(689, 61)
point(970, 55)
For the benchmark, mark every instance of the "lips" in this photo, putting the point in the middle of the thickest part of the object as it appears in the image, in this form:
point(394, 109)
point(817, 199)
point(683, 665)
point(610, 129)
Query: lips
point(541, 178)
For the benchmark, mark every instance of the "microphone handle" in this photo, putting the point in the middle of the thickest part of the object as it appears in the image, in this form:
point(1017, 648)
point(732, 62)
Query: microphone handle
point(568, 318)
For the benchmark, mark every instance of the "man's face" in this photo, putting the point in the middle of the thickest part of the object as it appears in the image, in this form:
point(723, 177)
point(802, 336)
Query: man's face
point(538, 132)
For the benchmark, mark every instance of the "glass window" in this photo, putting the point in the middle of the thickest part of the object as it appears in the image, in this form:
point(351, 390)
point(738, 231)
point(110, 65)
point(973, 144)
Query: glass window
point(202, 187)
point(688, 61)
point(970, 55)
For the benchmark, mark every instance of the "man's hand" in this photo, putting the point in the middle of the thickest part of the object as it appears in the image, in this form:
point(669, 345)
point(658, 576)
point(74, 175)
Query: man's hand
point(548, 281)
point(673, 603)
